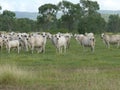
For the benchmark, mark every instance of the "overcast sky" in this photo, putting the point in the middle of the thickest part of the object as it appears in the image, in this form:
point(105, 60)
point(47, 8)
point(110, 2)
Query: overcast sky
point(32, 5)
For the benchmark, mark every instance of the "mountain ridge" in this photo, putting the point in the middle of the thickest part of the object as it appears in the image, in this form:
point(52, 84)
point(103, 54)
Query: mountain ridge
point(30, 15)
point(33, 15)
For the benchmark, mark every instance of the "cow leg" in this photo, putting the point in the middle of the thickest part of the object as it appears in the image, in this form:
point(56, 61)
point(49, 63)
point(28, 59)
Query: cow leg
point(18, 49)
point(9, 50)
point(32, 49)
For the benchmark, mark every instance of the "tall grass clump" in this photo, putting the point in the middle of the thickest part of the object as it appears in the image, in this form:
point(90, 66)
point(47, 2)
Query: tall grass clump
point(11, 75)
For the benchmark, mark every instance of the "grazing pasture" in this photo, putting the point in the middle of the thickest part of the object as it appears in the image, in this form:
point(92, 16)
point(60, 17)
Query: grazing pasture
point(74, 70)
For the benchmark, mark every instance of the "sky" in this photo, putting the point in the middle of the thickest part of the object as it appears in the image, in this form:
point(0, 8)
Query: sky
point(33, 5)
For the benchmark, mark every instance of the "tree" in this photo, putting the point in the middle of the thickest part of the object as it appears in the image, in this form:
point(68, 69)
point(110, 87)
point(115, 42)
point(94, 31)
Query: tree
point(7, 19)
point(9, 14)
point(71, 14)
point(25, 25)
point(89, 7)
point(0, 8)
point(91, 20)
point(113, 23)
point(95, 24)
point(47, 15)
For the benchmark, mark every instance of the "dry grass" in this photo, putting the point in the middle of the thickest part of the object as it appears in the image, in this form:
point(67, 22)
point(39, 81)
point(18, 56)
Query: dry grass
point(12, 75)
point(79, 79)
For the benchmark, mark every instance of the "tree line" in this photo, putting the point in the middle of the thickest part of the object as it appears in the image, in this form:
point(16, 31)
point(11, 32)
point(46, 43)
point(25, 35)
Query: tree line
point(81, 17)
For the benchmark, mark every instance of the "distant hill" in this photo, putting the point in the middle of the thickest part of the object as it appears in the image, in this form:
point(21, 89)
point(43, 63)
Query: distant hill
point(33, 15)
point(109, 11)
point(30, 15)
point(106, 13)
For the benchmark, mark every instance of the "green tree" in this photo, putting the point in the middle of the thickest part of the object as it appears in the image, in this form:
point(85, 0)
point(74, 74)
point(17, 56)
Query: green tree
point(47, 15)
point(91, 20)
point(92, 23)
point(0, 8)
point(7, 20)
point(71, 14)
point(0, 20)
point(25, 25)
point(89, 7)
point(113, 23)
point(9, 14)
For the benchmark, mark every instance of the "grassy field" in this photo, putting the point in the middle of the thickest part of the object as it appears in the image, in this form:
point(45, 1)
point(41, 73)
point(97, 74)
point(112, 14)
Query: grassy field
point(74, 70)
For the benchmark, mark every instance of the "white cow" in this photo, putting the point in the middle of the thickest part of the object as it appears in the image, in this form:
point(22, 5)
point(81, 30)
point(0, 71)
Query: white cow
point(1, 42)
point(89, 34)
point(110, 39)
point(37, 41)
point(68, 38)
point(54, 40)
point(61, 42)
point(86, 41)
point(11, 44)
point(23, 38)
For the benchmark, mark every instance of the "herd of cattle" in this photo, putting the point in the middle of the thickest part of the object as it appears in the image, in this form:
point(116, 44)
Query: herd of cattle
point(37, 41)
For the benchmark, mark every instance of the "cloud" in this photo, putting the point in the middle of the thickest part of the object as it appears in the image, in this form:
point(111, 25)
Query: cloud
point(33, 5)
point(5, 5)
point(19, 5)
point(26, 5)
point(109, 4)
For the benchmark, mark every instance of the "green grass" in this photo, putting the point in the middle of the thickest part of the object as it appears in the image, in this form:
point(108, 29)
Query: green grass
point(74, 70)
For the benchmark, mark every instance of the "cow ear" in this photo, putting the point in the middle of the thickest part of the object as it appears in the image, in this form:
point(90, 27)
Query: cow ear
point(29, 36)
